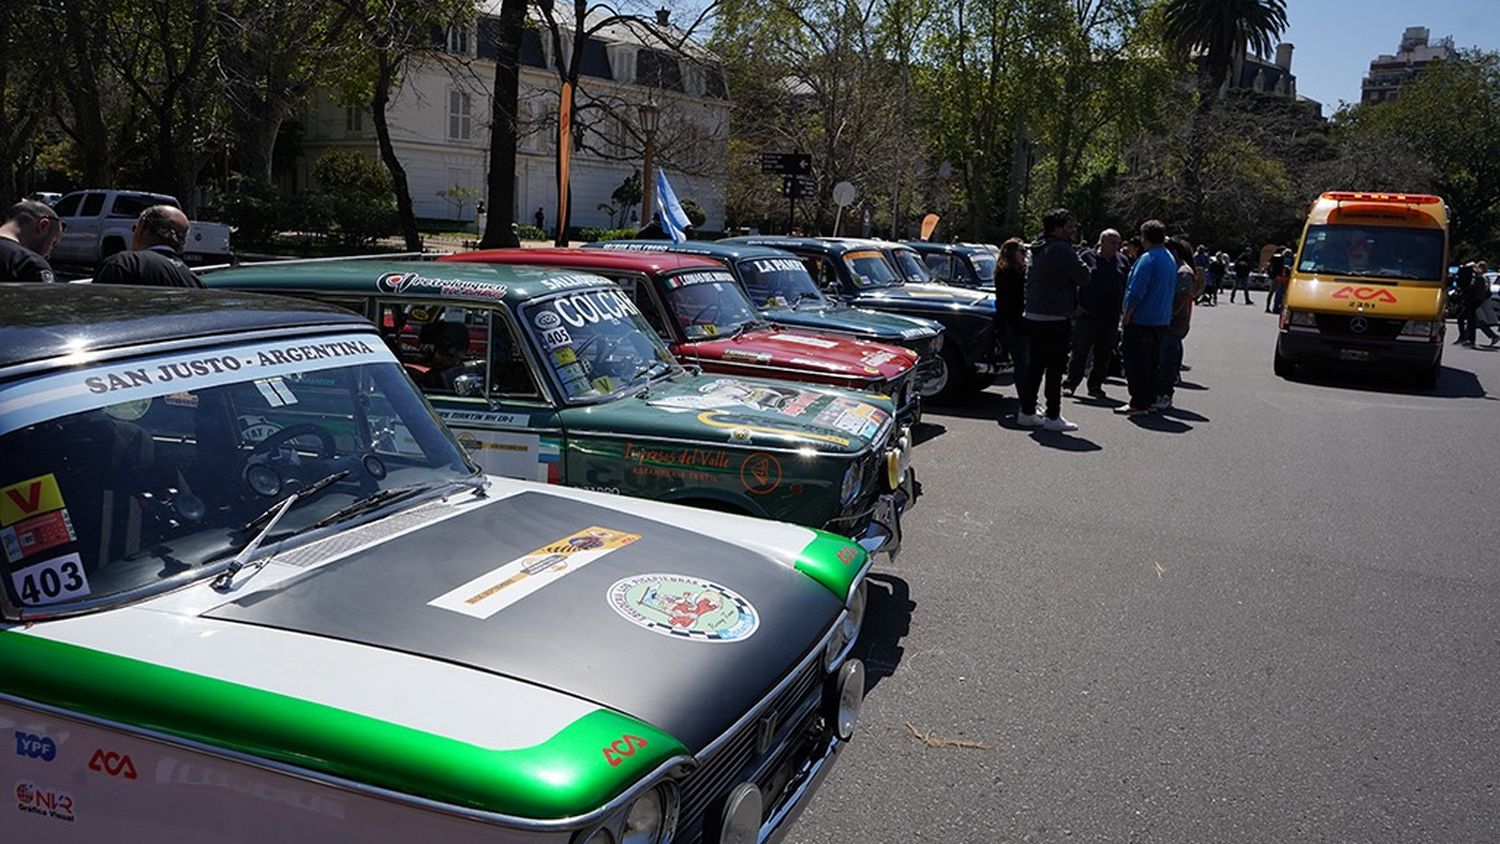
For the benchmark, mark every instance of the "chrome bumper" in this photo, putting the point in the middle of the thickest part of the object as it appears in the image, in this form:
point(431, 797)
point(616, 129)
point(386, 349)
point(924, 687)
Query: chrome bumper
point(883, 533)
point(779, 822)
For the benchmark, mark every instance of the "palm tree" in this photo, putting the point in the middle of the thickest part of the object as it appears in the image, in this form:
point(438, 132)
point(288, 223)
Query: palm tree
point(1221, 29)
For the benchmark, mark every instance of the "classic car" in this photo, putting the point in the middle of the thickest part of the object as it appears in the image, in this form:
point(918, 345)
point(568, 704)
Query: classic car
point(778, 284)
point(857, 272)
point(254, 591)
point(963, 265)
point(705, 318)
point(554, 375)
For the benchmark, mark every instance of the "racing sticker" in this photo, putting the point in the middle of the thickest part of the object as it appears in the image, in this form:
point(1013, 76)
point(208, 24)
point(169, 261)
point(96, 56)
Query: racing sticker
point(275, 392)
point(497, 589)
point(46, 802)
point(51, 581)
point(760, 473)
point(556, 338)
point(804, 340)
point(854, 417)
point(782, 265)
point(592, 306)
point(37, 534)
point(28, 498)
point(414, 283)
point(684, 607)
point(700, 277)
point(747, 355)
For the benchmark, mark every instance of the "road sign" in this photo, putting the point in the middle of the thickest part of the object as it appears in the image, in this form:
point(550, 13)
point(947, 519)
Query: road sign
point(843, 193)
point(799, 187)
point(786, 163)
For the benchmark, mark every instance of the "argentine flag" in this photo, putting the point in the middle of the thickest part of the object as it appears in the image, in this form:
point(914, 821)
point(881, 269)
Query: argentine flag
point(673, 218)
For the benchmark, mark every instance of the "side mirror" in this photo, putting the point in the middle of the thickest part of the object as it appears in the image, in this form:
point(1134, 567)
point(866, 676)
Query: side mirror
point(468, 385)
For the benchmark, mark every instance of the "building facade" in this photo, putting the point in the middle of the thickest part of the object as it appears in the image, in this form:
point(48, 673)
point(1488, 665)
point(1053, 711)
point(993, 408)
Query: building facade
point(440, 123)
point(1389, 72)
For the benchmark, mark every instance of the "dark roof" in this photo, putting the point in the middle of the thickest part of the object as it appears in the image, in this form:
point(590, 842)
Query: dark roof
point(926, 247)
point(424, 279)
point(587, 259)
point(723, 250)
point(802, 245)
point(41, 321)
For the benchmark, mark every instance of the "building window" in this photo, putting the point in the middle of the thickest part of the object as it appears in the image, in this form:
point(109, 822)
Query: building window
point(458, 40)
point(354, 119)
point(460, 119)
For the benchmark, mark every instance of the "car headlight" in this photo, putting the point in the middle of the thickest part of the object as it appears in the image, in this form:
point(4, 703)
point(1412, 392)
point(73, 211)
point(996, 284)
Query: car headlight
point(1302, 318)
point(851, 697)
point(1420, 328)
point(742, 811)
point(855, 619)
point(835, 648)
point(646, 822)
point(852, 483)
point(600, 836)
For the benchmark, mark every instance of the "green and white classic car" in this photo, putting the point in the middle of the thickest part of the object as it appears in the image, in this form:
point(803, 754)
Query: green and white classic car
point(253, 590)
point(554, 375)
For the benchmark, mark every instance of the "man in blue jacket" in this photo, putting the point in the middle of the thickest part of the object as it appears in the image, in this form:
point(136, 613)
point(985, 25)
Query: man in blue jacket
point(1147, 313)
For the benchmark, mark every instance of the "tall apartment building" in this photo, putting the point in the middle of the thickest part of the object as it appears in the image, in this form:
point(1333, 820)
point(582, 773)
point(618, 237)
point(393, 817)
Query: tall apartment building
point(1389, 72)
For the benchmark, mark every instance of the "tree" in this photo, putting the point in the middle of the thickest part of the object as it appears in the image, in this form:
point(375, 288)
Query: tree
point(505, 128)
point(1220, 30)
point(458, 196)
point(22, 90)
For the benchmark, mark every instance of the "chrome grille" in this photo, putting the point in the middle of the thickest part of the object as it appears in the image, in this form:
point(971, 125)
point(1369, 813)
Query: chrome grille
point(737, 759)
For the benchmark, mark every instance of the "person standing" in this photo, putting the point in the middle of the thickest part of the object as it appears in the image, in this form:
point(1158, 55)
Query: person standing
point(1481, 307)
point(1463, 280)
point(541, 220)
point(1216, 267)
point(1010, 303)
point(154, 259)
point(1242, 267)
point(1170, 355)
point(1146, 315)
point(29, 233)
point(1096, 328)
point(1052, 283)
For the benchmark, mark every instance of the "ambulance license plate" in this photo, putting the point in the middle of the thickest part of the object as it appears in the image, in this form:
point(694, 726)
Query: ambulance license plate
point(1354, 354)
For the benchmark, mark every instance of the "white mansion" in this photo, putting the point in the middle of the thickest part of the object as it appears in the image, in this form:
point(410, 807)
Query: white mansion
point(440, 122)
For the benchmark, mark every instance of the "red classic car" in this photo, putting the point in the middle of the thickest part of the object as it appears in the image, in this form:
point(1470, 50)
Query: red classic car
point(703, 314)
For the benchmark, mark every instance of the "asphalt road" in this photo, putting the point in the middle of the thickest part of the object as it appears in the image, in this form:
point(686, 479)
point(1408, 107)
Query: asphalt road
point(1270, 615)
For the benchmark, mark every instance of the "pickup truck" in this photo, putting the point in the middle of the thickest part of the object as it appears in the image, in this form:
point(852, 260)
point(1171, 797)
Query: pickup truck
point(99, 225)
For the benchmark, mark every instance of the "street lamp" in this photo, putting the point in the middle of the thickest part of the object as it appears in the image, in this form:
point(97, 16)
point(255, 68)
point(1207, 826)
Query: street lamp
point(650, 117)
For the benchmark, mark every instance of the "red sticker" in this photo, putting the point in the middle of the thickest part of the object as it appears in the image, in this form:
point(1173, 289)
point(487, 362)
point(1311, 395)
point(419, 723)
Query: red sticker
point(112, 763)
point(36, 534)
point(622, 748)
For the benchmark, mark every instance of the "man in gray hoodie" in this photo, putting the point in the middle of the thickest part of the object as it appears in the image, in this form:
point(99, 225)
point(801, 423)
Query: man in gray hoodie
point(1052, 282)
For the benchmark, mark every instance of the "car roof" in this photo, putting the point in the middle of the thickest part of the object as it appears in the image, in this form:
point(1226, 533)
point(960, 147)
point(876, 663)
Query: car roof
point(592, 259)
point(820, 246)
point(927, 247)
point(466, 282)
point(722, 249)
point(43, 321)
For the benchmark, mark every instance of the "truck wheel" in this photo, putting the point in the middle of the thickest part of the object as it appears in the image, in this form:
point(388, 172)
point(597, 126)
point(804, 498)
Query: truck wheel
point(1283, 367)
point(110, 246)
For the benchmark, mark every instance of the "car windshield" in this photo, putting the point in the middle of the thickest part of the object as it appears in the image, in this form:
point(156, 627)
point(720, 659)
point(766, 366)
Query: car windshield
point(121, 476)
point(911, 265)
point(1373, 251)
point(984, 266)
point(779, 282)
point(595, 343)
point(707, 303)
point(870, 269)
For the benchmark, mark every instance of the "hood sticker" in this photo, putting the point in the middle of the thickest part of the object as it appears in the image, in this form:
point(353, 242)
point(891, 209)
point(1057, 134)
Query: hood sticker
point(855, 417)
point(685, 607)
point(497, 589)
point(815, 342)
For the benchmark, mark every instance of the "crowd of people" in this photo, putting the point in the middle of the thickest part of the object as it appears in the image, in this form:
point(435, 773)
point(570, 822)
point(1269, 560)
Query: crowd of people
point(1474, 304)
point(1061, 313)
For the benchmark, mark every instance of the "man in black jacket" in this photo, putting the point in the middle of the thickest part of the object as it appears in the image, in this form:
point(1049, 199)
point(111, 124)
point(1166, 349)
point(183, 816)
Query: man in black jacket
point(28, 232)
point(153, 259)
point(1052, 283)
point(1097, 327)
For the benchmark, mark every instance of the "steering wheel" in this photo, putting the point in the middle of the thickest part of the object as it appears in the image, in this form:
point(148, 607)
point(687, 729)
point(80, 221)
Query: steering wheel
point(696, 319)
point(610, 344)
point(326, 444)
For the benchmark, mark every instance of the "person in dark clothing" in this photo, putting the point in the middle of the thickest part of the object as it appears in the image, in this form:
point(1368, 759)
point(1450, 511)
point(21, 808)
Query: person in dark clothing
point(540, 218)
point(1242, 267)
point(1096, 327)
point(1216, 267)
point(28, 234)
point(1052, 283)
point(160, 232)
point(652, 230)
point(1463, 282)
point(1010, 303)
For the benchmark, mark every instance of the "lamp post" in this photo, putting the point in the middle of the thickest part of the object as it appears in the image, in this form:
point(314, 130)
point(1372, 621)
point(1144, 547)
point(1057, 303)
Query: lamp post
point(650, 116)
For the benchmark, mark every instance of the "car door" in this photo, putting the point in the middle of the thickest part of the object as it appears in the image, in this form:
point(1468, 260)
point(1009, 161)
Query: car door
point(473, 366)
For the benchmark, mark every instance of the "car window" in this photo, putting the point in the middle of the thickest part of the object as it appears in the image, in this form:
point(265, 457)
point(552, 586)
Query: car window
point(93, 203)
point(1373, 251)
point(984, 267)
point(941, 266)
point(640, 293)
point(445, 348)
point(68, 207)
point(131, 205)
point(595, 343)
point(510, 374)
point(707, 303)
point(870, 269)
point(777, 282)
point(131, 473)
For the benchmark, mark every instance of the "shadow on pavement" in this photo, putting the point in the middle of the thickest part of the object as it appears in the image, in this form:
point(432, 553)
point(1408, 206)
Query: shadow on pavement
point(1160, 423)
point(1189, 385)
point(1184, 415)
point(924, 431)
point(1452, 383)
point(1064, 442)
point(888, 609)
point(981, 405)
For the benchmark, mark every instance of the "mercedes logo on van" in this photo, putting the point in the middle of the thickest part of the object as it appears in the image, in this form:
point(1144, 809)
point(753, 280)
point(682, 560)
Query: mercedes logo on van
point(1359, 325)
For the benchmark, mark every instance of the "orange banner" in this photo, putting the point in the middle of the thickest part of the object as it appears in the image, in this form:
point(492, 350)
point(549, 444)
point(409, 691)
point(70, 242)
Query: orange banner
point(564, 155)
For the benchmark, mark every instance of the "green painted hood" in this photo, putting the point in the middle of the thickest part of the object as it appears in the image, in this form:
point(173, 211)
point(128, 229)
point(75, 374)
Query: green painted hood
point(742, 413)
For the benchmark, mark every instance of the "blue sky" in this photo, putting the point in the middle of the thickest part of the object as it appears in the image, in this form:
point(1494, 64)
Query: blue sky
point(1336, 39)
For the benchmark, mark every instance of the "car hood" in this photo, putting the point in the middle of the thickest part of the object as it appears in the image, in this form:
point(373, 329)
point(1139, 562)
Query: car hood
point(843, 319)
point(666, 625)
point(801, 351)
point(1353, 296)
point(928, 298)
point(736, 412)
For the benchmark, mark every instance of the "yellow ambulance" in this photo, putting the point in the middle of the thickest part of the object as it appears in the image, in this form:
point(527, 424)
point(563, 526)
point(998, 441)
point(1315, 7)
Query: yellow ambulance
point(1368, 286)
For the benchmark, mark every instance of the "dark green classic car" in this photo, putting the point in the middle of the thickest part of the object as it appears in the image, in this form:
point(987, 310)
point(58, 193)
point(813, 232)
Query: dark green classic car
point(554, 376)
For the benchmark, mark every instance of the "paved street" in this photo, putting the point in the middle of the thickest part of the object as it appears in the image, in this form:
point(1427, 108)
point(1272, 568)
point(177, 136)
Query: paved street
point(1270, 615)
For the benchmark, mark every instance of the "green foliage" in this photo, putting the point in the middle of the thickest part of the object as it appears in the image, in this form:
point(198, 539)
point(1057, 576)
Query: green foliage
point(363, 207)
point(253, 208)
point(1221, 28)
point(594, 233)
point(526, 231)
point(695, 213)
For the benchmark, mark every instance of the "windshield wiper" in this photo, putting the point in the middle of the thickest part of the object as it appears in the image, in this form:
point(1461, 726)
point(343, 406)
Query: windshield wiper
point(385, 496)
point(269, 518)
point(274, 511)
point(741, 328)
point(648, 370)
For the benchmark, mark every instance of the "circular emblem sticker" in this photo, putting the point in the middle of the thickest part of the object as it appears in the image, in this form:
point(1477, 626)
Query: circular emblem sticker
point(547, 319)
point(684, 607)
